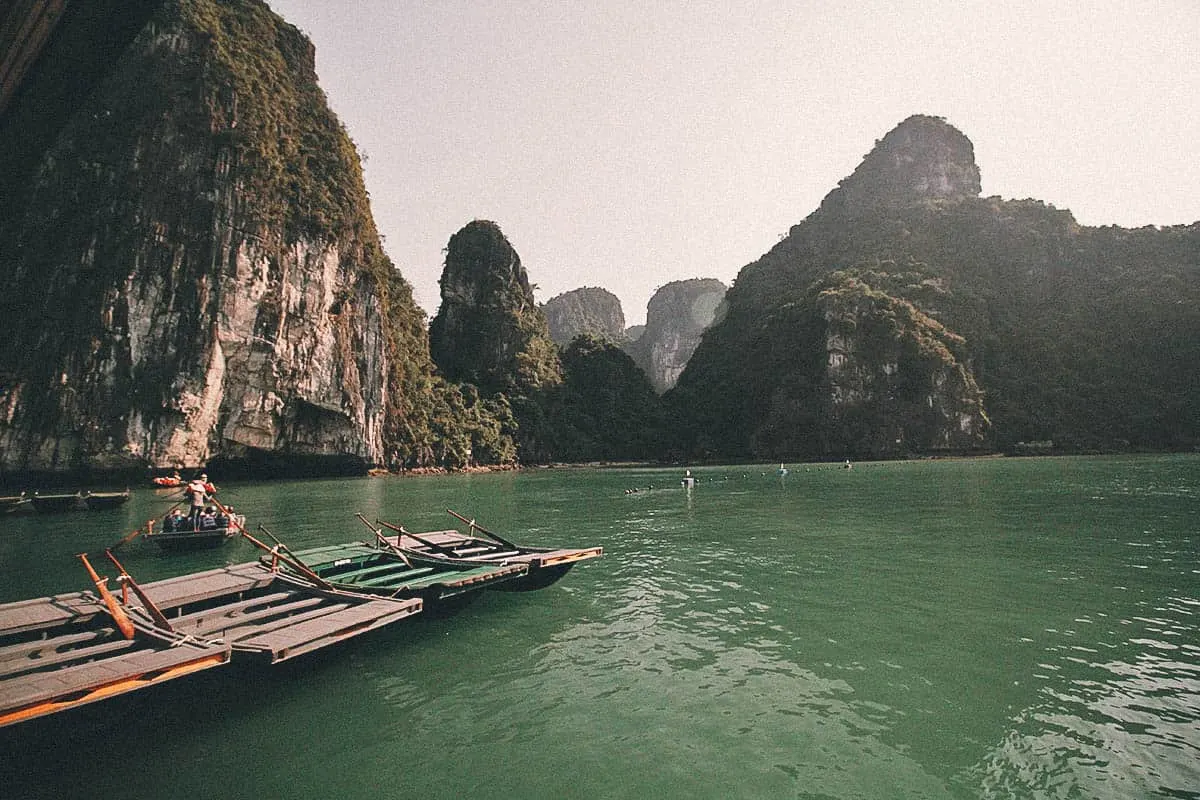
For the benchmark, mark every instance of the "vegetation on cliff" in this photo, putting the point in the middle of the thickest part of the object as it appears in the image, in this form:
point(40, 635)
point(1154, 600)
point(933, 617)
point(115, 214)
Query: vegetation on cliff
point(1081, 336)
point(605, 409)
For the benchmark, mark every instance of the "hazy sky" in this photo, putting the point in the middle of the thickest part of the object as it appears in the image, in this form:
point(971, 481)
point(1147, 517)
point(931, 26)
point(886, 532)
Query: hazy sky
point(631, 144)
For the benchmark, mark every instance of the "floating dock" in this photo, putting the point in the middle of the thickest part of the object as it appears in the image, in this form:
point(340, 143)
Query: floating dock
point(65, 651)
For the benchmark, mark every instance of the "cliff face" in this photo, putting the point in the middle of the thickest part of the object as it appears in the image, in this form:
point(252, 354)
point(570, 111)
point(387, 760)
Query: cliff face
point(489, 331)
point(1069, 334)
point(676, 317)
point(589, 310)
point(195, 273)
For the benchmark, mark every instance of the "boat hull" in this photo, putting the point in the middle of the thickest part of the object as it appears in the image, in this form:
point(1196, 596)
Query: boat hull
point(55, 503)
point(545, 565)
point(366, 569)
point(97, 502)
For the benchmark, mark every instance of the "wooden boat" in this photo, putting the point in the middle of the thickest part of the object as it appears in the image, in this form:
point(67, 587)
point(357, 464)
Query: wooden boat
point(61, 652)
point(100, 500)
point(56, 503)
point(380, 569)
point(174, 537)
point(265, 616)
point(12, 502)
point(545, 565)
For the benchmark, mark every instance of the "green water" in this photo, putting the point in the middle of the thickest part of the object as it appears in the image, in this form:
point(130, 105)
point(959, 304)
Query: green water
point(953, 629)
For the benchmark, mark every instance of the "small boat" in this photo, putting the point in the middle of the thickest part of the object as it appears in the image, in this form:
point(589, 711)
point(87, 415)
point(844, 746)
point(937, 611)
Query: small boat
point(545, 565)
point(100, 500)
point(177, 532)
point(168, 481)
point(379, 568)
point(56, 503)
point(13, 501)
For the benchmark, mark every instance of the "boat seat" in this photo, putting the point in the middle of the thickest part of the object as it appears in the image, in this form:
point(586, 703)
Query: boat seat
point(369, 573)
point(408, 576)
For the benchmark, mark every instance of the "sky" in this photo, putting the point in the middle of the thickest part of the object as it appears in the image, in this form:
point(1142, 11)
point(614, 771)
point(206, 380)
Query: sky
point(629, 144)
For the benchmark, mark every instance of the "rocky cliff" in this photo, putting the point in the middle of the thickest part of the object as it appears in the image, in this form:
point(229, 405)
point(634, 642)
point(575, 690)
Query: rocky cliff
point(488, 331)
point(676, 317)
point(194, 273)
point(589, 310)
point(1018, 324)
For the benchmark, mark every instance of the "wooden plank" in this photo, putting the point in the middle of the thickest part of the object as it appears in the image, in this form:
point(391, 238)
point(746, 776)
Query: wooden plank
point(236, 635)
point(27, 615)
point(37, 695)
point(80, 654)
point(195, 619)
point(328, 629)
point(199, 586)
point(225, 623)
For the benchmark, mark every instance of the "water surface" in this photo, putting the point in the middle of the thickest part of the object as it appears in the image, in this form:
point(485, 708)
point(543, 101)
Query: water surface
point(997, 628)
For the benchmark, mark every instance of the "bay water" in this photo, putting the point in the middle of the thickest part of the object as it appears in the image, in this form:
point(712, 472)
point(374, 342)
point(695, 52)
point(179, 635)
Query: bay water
point(989, 628)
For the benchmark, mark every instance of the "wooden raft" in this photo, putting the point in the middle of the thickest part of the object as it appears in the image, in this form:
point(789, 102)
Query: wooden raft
point(64, 651)
point(261, 614)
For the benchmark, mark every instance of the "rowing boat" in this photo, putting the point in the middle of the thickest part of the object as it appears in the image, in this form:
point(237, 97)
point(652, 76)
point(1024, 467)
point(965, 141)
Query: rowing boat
point(195, 536)
point(545, 565)
point(373, 569)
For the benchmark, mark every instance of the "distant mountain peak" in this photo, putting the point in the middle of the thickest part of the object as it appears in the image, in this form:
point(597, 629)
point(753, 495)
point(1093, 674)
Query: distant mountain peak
point(923, 158)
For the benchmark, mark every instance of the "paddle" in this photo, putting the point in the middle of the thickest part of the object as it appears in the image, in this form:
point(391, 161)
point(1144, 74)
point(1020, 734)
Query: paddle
point(126, 579)
point(149, 527)
point(483, 530)
point(448, 550)
point(282, 552)
point(379, 537)
point(114, 608)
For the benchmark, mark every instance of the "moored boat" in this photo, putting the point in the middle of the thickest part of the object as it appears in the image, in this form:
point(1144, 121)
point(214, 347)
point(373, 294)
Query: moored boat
point(100, 500)
point(265, 616)
point(545, 565)
point(56, 503)
point(378, 568)
point(12, 502)
point(57, 653)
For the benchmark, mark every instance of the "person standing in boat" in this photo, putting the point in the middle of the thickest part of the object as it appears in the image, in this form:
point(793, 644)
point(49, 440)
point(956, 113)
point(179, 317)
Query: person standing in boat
point(197, 492)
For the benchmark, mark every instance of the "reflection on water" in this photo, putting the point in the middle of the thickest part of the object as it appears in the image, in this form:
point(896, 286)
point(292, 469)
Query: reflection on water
point(994, 628)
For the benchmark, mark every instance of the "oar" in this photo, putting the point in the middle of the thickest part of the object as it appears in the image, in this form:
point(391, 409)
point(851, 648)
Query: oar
point(483, 530)
point(286, 555)
point(128, 580)
point(114, 608)
point(127, 539)
point(149, 523)
point(448, 550)
point(379, 537)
